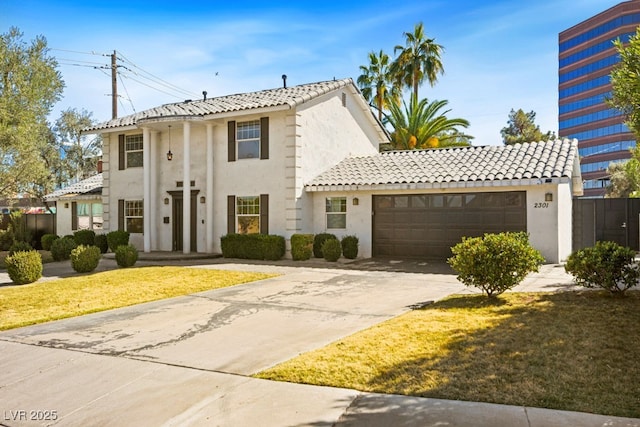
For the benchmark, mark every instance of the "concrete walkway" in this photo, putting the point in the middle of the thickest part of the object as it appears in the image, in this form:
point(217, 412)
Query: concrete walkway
point(186, 360)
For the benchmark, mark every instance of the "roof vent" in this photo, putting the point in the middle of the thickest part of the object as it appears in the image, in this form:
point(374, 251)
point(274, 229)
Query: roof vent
point(204, 95)
point(284, 81)
point(187, 101)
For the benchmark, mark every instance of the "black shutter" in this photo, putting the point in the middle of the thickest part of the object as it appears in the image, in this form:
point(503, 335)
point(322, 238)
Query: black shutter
point(74, 215)
point(264, 138)
point(231, 214)
point(120, 214)
point(121, 152)
point(264, 214)
point(231, 141)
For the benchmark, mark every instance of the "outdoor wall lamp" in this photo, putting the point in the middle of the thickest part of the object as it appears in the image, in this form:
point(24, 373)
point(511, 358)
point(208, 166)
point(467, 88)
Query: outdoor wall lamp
point(169, 153)
point(202, 199)
point(166, 199)
point(355, 201)
point(548, 197)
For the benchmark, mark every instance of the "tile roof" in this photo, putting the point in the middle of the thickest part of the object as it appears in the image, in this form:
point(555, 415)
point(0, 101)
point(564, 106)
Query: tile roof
point(553, 159)
point(91, 185)
point(289, 96)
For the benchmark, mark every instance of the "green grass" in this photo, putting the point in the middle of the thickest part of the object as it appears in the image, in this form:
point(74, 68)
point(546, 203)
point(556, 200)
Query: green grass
point(577, 351)
point(58, 299)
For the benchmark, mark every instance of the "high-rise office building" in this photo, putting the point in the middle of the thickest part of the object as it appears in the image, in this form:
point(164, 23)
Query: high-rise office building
point(585, 57)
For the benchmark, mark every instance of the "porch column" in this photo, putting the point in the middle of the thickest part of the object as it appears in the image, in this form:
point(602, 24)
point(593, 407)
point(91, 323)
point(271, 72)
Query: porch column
point(209, 194)
point(146, 179)
point(186, 188)
point(153, 195)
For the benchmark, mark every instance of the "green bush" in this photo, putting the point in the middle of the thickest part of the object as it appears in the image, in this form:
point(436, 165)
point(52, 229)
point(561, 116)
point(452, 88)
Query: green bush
point(61, 248)
point(331, 250)
point(496, 262)
point(24, 267)
point(47, 240)
point(606, 265)
point(6, 239)
point(19, 247)
point(85, 237)
point(18, 225)
point(126, 255)
point(301, 246)
point(253, 246)
point(85, 259)
point(101, 242)
point(318, 241)
point(117, 238)
point(350, 247)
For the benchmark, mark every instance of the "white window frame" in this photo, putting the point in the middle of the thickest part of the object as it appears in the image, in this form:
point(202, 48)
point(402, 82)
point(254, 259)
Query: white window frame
point(336, 207)
point(93, 220)
point(247, 207)
point(133, 145)
point(133, 209)
point(248, 133)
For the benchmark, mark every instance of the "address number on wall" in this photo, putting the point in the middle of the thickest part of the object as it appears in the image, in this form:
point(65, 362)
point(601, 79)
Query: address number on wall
point(541, 205)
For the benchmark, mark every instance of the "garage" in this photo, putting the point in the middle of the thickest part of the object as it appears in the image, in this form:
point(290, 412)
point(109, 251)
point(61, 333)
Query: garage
point(428, 225)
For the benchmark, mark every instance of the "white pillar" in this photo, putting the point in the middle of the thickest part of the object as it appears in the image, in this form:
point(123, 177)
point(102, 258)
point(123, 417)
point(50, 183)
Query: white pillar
point(146, 179)
point(153, 194)
point(186, 189)
point(209, 199)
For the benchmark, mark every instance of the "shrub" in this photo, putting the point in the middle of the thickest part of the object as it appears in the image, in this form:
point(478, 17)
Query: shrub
point(85, 259)
point(253, 246)
point(117, 238)
point(47, 240)
point(496, 262)
point(126, 255)
point(101, 242)
point(331, 250)
point(19, 247)
point(350, 247)
point(301, 246)
point(18, 225)
point(61, 248)
point(606, 265)
point(6, 239)
point(85, 237)
point(318, 241)
point(24, 267)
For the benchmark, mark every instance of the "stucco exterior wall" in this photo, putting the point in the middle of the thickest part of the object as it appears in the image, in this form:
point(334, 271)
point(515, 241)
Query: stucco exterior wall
point(63, 218)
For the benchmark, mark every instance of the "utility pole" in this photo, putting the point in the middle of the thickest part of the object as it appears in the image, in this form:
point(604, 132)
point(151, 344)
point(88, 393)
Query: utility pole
point(114, 87)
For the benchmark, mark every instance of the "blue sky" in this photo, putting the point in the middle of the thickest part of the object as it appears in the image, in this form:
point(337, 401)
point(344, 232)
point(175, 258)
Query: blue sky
point(498, 54)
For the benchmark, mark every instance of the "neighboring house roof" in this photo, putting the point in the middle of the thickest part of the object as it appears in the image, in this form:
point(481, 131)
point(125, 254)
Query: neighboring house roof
point(91, 185)
point(287, 97)
point(451, 166)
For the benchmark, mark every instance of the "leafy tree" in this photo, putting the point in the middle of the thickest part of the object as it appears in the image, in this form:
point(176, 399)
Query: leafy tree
point(418, 59)
point(375, 82)
point(81, 153)
point(521, 128)
point(29, 87)
point(422, 124)
point(626, 83)
point(625, 177)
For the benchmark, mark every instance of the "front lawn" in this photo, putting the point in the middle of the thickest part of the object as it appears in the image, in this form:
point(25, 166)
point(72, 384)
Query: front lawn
point(57, 299)
point(577, 351)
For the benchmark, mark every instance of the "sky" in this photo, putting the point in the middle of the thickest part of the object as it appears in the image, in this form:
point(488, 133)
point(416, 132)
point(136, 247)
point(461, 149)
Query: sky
point(498, 55)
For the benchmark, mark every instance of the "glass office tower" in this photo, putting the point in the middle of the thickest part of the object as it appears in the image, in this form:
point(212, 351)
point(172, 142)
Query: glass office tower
point(585, 57)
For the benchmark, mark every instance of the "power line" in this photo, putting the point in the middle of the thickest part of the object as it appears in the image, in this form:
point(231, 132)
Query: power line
point(127, 92)
point(80, 52)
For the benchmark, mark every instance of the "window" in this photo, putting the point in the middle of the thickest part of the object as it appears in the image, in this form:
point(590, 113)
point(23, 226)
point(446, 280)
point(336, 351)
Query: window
point(89, 216)
point(248, 214)
point(133, 150)
point(248, 139)
point(133, 216)
point(336, 209)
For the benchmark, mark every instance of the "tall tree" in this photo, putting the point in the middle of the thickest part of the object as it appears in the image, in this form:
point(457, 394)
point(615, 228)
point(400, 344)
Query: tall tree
point(418, 59)
point(29, 87)
point(521, 128)
point(81, 152)
point(625, 82)
point(422, 124)
point(376, 84)
point(625, 177)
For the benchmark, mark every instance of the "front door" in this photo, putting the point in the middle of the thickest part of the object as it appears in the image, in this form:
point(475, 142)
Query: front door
point(178, 221)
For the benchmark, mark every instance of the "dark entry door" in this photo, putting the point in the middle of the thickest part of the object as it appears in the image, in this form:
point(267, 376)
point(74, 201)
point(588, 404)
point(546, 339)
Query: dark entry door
point(178, 221)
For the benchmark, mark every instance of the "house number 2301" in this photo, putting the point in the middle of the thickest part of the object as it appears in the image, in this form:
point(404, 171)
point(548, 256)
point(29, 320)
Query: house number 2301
point(541, 205)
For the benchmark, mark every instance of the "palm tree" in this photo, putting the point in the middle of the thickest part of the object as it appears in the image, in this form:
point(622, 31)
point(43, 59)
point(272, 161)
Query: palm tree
point(418, 60)
point(423, 125)
point(375, 82)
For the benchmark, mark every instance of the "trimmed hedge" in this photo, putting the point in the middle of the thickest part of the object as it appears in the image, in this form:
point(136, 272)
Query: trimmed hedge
point(24, 267)
point(85, 259)
point(331, 250)
point(349, 247)
point(47, 239)
point(117, 238)
point(61, 248)
point(253, 246)
point(126, 255)
point(85, 237)
point(101, 242)
point(319, 240)
point(301, 246)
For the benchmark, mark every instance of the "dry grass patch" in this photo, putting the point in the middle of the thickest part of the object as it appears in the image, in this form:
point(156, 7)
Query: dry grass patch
point(571, 351)
point(57, 299)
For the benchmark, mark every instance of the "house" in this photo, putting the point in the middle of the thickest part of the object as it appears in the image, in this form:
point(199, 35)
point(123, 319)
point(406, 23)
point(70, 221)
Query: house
point(304, 159)
point(78, 206)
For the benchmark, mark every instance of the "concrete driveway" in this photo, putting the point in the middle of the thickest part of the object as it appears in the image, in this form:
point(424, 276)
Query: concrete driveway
point(186, 361)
